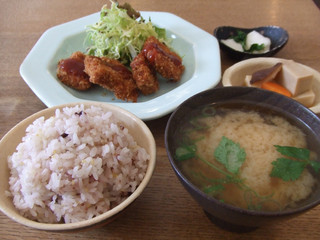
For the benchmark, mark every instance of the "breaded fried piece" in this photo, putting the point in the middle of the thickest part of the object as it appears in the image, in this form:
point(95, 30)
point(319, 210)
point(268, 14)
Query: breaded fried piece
point(144, 75)
point(112, 75)
point(165, 61)
point(71, 72)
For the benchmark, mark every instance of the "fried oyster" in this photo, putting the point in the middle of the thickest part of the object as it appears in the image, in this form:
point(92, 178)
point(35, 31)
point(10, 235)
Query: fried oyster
point(144, 75)
point(166, 62)
point(71, 72)
point(112, 75)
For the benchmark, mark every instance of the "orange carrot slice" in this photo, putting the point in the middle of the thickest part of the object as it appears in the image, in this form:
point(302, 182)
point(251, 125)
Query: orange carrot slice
point(275, 87)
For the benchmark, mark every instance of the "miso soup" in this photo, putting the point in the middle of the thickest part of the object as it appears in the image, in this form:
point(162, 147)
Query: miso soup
point(233, 155)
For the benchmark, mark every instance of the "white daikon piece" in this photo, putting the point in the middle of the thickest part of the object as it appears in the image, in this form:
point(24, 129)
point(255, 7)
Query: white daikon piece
point(256, 38)
point(232, 44)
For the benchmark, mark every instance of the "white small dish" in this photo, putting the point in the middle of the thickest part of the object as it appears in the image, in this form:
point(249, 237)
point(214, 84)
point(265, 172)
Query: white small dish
point(235, 75)
point(199, 50)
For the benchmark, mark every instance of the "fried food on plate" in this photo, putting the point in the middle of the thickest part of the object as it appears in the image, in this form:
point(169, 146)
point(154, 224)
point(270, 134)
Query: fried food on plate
point(166, 62)
point(144, 75)
point(71, 72)
point(112, 75)
point(81, 71)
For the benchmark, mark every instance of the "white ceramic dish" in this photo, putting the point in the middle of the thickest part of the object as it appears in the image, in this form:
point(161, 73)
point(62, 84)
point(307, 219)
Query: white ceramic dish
point(137, 128)
point(235, 75)
point(199, 49)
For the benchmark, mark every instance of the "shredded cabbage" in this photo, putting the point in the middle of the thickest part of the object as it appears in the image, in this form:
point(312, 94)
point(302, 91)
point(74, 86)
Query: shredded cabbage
point(116, 35)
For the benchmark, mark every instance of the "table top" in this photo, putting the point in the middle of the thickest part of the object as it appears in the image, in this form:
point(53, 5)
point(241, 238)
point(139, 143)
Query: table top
point(165, 210)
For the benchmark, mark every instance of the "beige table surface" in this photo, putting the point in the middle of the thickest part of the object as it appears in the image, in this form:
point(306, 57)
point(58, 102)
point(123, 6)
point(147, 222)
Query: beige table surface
point(165, 210)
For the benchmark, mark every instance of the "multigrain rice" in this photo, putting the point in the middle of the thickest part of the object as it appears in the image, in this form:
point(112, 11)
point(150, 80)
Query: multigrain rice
point(74, 166)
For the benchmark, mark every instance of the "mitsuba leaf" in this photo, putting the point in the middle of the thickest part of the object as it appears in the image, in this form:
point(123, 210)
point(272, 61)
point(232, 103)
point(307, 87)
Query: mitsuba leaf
point(198, 125)
point(230, 154)
point(256, 47)
point(315, 165)
point(287, 169)
point(299, 153)
point(214, 188)
point(240, 37)
point(185, 152)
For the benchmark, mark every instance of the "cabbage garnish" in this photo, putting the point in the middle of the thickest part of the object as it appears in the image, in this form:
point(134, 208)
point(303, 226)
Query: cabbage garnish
point(118, 36)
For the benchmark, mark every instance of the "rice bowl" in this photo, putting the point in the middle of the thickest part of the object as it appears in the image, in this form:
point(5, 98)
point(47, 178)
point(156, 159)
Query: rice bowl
point(90, 184)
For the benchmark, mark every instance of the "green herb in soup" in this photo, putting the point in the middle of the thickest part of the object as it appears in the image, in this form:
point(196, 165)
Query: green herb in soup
point(291, 169)
point(249, 159)
point(230, 154)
